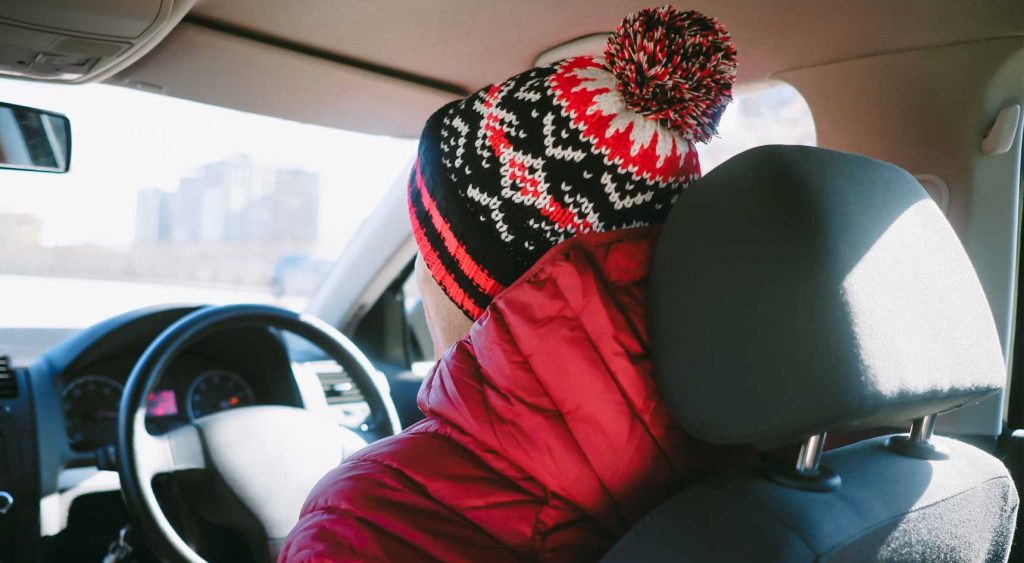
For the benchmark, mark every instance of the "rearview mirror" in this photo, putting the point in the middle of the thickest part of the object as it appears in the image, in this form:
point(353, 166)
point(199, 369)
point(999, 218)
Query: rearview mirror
point(33, 139)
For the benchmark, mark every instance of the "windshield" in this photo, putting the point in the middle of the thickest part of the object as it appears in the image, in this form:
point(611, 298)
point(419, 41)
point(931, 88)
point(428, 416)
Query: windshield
point(174, 201)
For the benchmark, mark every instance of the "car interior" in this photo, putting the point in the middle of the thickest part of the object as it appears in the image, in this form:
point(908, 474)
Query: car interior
point(797, 295)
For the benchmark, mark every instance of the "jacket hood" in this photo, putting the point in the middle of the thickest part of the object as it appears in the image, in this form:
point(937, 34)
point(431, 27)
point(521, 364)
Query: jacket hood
point(556, 376)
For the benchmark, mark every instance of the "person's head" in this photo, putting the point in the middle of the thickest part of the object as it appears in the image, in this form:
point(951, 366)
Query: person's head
point(587, 144)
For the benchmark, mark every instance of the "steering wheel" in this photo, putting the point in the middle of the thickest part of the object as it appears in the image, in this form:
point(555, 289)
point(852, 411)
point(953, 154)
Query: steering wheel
point(257, 463)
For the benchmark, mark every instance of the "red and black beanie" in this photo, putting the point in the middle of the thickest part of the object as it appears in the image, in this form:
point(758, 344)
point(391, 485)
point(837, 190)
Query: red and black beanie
point(587, 144)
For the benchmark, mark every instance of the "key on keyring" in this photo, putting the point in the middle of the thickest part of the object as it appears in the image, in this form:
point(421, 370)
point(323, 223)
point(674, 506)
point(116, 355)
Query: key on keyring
point(119, 549)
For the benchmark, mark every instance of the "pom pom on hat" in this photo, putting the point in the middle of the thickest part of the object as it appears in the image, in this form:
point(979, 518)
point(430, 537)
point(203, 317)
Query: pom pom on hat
point(676, 67)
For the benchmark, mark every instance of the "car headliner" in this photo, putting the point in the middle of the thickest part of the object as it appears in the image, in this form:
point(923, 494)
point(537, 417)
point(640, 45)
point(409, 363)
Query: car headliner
point(383, 66)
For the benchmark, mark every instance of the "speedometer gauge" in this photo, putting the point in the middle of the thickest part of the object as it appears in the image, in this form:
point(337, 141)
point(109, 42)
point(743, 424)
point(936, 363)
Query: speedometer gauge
point(217, 390)
point(90, 411)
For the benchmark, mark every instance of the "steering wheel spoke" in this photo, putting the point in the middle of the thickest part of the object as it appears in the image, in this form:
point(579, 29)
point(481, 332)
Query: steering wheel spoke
point(176, 451)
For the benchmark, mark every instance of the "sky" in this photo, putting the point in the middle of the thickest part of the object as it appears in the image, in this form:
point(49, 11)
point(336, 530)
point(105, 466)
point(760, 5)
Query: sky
point(125, 140)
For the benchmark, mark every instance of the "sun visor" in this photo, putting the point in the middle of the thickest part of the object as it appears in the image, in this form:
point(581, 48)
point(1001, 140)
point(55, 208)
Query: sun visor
point(213, 67)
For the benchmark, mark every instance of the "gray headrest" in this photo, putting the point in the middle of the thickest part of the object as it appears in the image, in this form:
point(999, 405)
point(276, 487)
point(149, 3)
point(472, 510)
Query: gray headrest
point(797, 290)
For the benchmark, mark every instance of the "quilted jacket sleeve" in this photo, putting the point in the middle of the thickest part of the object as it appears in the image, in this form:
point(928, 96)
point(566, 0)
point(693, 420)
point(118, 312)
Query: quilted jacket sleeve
point(377, 506)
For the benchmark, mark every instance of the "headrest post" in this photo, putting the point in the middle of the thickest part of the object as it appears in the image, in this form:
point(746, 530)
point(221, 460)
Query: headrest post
point(809, 459)
point(919, 443)
point(808, 474)
point(922, 428)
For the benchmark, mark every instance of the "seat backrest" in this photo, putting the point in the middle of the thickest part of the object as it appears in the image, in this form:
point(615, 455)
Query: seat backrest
point(798, 291)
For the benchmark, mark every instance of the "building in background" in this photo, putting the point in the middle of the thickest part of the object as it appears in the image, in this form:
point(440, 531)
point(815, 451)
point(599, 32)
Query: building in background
point(234, 200)
point(151, 220)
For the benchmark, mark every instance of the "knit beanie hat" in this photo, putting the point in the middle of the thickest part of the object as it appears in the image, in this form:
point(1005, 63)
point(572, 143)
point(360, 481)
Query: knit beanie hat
point(587, 144)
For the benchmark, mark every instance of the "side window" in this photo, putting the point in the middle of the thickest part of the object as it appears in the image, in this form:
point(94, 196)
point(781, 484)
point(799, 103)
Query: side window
point(393, 332)
point(777, 115)
point(421, 348)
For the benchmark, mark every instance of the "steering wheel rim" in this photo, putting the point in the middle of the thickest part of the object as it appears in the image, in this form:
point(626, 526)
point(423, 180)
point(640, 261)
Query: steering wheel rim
point(137, 448)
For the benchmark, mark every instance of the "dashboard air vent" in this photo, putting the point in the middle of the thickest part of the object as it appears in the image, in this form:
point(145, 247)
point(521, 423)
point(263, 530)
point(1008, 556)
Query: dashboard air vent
point(8, 383)
point(338, 386)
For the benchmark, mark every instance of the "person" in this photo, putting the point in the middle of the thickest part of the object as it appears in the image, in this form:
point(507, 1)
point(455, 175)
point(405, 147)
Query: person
point(535, 206)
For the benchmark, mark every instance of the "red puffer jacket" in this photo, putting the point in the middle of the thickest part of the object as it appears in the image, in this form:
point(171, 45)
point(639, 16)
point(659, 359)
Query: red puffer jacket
point(545, 435)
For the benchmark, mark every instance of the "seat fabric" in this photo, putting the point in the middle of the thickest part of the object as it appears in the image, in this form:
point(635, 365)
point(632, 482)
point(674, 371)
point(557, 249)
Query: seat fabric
point(889, 508)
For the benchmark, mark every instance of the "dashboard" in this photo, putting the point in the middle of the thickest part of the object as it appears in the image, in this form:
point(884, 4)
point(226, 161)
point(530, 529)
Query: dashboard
point(229, 369)
point(58, 426)
point(195, 386)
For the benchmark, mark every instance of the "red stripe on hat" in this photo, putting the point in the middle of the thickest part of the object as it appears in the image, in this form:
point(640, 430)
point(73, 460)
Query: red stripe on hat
point(438, 271)
point(518, 171)
point(473, 271)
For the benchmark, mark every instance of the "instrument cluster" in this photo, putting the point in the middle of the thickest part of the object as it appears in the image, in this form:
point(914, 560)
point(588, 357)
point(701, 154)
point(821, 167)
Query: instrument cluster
point(91, 400)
